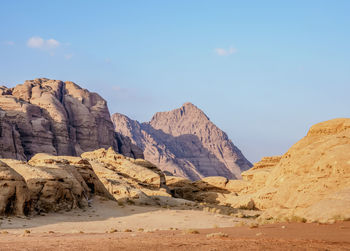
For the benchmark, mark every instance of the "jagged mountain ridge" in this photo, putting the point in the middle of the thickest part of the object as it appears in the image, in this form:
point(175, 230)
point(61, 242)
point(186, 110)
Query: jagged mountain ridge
point(184, 142)
point(56, 117)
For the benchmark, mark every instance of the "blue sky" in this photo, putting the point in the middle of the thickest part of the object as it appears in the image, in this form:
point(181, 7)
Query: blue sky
point(263, 71)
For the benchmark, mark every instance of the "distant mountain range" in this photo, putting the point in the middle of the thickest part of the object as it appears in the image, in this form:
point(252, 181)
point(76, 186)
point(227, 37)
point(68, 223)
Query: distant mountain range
point(184, 142)
point(61, 118)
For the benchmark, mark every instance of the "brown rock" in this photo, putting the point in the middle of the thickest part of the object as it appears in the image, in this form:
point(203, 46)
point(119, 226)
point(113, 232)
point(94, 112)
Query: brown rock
point(184, 142)
point(54, 117)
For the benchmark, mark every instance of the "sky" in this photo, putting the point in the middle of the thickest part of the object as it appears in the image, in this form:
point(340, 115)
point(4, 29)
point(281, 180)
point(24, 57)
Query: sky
point(263, 71)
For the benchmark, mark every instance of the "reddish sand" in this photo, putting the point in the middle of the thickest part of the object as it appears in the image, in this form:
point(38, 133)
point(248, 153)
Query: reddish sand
point(292, 236)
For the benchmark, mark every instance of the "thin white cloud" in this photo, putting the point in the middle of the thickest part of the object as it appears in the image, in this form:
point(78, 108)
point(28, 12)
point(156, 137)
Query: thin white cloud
point(9, 43)
point(35, 42)
point(40, 43)
point(52, 43)
point(68, 56)
point(119, 88)
point(225, 52)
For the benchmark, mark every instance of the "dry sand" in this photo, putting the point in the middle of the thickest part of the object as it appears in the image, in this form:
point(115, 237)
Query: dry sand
point(106, 215)
point(86, 229)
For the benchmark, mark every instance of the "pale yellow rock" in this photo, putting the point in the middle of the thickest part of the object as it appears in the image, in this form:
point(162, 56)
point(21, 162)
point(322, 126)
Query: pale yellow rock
point(140, 170)
point(65, 182)
point(212, 182)
point(83, 170)
point(310, 182)
point(309, 175)
point(14, 194)
point(119, 187)
point(51, 188)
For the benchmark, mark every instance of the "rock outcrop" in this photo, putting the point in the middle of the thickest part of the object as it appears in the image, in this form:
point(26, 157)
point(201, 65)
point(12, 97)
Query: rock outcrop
point(127, 179)
point(310, 182)
point(55, 117)
point(52, 186)
point(185, 143)
point(14, 196)
point(314, 171)
point(48, 183)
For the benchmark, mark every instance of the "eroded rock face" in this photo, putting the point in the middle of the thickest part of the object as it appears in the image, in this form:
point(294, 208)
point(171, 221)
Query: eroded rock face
point(51, 187)
point(14, 195)
point(185, 143)
point(10, 141)
point(127, 179)
point(54, 117)
point(78, 168)
point(142, 171)
point(48, 183)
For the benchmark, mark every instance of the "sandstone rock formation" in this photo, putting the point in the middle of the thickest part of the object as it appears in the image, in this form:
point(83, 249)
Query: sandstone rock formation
point(185, 143)
point(314, 171)
point(55, 117)
point(127, 179)
point(48, 183)
point(14, 196)
point(51, 187)
point(310, 182)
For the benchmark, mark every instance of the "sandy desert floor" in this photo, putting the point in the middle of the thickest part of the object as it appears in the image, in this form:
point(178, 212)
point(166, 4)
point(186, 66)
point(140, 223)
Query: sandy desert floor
point(103, 227)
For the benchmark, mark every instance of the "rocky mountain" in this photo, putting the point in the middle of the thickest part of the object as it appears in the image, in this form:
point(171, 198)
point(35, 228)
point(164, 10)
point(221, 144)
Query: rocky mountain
point(58, 118)
point(184, 142)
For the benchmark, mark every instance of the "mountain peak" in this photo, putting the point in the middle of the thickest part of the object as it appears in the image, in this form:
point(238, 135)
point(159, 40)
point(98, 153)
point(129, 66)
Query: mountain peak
point(186, 143)
point(189, 104)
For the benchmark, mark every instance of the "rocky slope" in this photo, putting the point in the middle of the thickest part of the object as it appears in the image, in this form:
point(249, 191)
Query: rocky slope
point(184, 142)
point(310, 182)
point(58, 118)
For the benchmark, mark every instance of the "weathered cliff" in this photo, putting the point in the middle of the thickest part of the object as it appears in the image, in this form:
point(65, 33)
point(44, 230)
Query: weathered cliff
point(55, 117)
